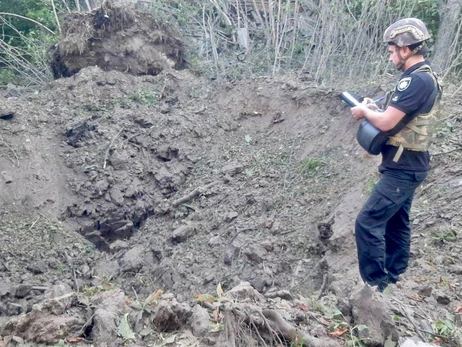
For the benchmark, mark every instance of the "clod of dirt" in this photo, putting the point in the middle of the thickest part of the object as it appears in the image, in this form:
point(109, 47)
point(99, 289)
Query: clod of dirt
point(116, 38)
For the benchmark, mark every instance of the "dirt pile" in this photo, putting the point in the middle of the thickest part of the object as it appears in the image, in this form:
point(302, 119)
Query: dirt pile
point(116, 38)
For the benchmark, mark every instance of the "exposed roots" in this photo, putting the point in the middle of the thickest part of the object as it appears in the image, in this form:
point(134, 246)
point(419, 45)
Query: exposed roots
point(249, 325)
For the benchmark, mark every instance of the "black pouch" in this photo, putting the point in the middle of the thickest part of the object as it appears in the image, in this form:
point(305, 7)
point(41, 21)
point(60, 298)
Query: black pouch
point(370, 138)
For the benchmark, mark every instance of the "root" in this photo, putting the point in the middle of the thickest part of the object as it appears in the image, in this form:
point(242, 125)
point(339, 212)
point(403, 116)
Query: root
point(292, 334)
point(245, 322)
point(196, 192)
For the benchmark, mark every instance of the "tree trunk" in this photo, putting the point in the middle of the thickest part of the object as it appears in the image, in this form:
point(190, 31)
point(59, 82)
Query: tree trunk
point(446, 45)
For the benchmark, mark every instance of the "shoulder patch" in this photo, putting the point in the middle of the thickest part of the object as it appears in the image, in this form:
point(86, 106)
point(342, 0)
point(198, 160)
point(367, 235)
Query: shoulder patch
point(404, 83)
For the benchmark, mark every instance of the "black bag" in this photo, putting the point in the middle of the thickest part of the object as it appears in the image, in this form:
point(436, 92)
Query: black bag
point(370, 138)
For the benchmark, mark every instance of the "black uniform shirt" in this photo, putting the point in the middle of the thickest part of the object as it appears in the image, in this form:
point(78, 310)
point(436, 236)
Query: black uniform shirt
point(411, 91)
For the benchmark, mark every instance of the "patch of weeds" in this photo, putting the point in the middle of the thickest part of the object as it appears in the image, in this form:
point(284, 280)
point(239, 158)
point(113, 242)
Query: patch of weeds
point(105, 285)
point(309, 165)
point(340, 327)
point(145, 97)
point(370, 186)
point(299, 342)
point(448, 331)
point(443, 129)
point(444, 236)
point(7, 76)
point(318, 307)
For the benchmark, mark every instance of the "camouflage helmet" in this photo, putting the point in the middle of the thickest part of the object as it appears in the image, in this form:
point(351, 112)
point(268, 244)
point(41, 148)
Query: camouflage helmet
point(406, 32)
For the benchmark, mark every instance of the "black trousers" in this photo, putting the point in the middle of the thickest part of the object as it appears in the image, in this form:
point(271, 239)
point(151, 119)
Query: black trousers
point(383, 231)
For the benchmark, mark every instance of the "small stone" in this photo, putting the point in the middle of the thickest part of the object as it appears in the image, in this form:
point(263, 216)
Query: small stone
point(7, 177)
point(118, 245)
point(215, 241)
point(208, 278)
point(38, 267)
point(425, 291)
point(231, 216)
point(23, 290)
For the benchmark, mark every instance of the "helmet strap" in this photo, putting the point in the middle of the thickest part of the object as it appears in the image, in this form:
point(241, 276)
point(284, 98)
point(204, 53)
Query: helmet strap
point(403, 60)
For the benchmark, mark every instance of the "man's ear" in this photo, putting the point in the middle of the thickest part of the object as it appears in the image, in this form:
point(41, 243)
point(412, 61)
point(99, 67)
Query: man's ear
point(405, 51)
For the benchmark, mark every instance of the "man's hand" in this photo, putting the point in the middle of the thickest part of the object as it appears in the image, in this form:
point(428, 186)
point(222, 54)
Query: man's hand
point(358, 112)
point(370, 104)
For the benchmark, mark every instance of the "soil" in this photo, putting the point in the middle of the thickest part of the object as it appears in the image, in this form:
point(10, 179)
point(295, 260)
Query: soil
point(177, 183)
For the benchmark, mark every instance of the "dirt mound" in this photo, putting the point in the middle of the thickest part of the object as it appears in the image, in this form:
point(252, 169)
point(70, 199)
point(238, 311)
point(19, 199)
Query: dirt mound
point(116, 38)
point(221, 213)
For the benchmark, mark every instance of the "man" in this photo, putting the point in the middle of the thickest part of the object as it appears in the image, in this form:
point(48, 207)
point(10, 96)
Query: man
point(382, 230)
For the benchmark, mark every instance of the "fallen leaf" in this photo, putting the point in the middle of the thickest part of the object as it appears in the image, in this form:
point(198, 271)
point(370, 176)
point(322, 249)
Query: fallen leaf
point(154, 297)
point(459, 309)
point(219, 290)
point(123, 329)
point(216, 314)
point(74, 339)
point(338, 332)
point(416, 297)
point(301, 306)
point(205, 298)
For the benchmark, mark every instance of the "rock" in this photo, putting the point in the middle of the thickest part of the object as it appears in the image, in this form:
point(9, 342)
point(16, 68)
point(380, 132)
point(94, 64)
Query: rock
point(22, 290)
point(116, 196)
point(104, 326)
point(232, 169)
point(133, 260)
point(58, 290)
point(215, 241)
point(231, 253)
point(183, 233)
point(199, 321)
point(107, 269)
point(7, 178)
point(455, 269)
point(14, 309)
point(38, 267)
point(118, 160)
point(6, 289)
point(169, 314)
point(231, 216)
point(118, 245)
point(260, 283)
point(110, 306)
point(268, 245)
point(368, 310)
point(58, 305)
point(208, 278)
point(244, 291)
point(44, 327)
point(425, 291)
point(255, 253)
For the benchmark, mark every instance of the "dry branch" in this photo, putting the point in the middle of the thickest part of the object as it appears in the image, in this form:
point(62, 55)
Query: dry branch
point(26, 18)
point(194, 193)
point(56, 15)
